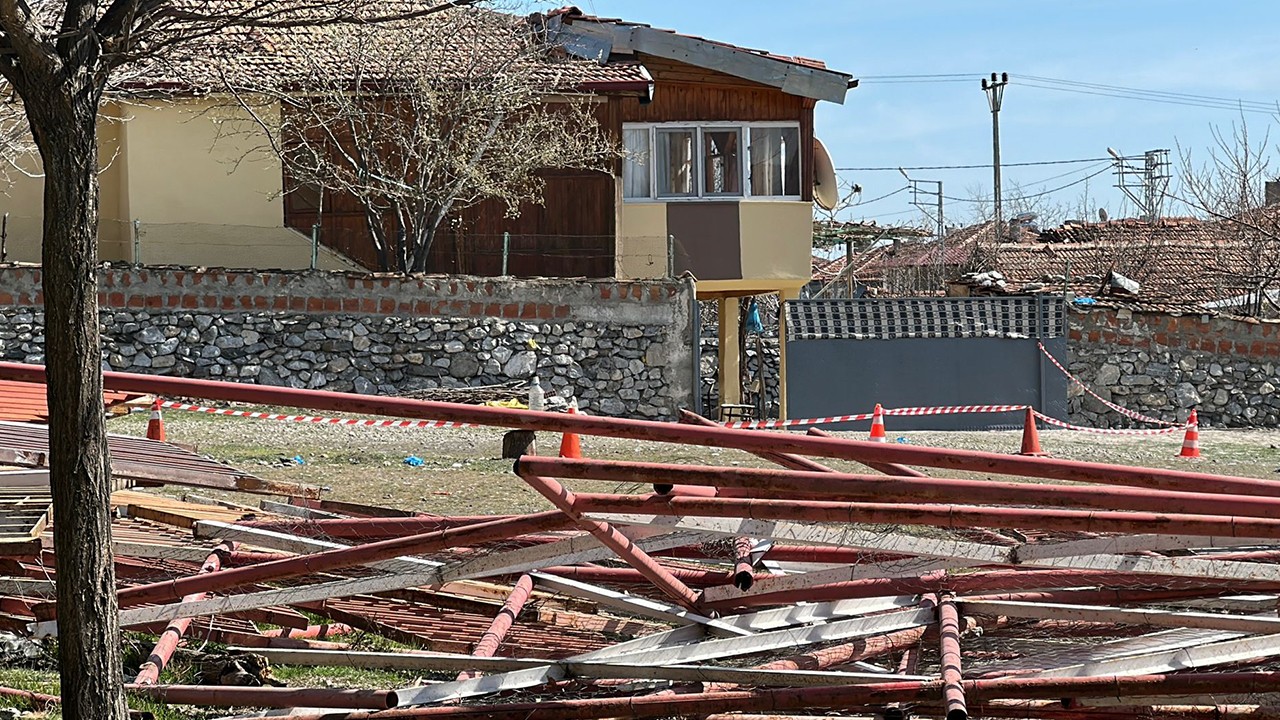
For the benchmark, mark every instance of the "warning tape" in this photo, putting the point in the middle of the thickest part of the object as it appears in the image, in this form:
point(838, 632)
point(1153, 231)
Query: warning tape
point(754, 424)
point(1123, 411)
point(317, 420)
point(887, 412)
point(1107, 431)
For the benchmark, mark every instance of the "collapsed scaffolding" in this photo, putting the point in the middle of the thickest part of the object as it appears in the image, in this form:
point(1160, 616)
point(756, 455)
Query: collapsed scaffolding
point(1097, 591)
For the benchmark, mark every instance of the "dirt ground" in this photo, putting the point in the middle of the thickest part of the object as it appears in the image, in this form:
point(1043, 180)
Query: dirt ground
point(462, 472)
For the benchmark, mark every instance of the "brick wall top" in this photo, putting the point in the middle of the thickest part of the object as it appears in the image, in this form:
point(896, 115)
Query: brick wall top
point(165, 288)
point(1245, 338)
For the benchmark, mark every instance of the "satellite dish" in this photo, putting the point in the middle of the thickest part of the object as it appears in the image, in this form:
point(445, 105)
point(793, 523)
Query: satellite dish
point(1102, 215)
point(825, 190)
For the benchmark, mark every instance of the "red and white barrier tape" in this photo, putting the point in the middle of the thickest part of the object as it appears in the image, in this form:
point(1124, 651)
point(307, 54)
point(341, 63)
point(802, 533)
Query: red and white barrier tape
point(888, 412)
point(317, 420)
point(1123, 411)
point(897, 412)
point(1107, 431)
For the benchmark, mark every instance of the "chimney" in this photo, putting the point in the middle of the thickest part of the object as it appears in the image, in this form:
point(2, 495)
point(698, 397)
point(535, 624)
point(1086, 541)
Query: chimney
point(1271, 193)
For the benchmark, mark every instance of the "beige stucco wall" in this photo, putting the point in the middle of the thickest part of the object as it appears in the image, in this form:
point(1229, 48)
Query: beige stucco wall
point(194, 175)
point(777, 239)
point(642, 244)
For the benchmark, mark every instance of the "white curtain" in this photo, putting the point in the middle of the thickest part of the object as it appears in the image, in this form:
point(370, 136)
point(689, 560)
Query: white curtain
point(635, 164)
point(775, 161)
point(674, 159)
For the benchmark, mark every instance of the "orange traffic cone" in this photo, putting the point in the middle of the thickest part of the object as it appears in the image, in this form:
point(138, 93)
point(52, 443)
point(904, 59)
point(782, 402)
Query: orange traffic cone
point(877, 425)
point(570, 446)
point(1191, 443)
point(155, 426)
point(1031, 436)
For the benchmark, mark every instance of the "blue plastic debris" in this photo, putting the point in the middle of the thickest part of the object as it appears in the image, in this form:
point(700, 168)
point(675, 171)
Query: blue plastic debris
point(414, 461)
point(1085, 301)
point(297, 460)
point(903, 441)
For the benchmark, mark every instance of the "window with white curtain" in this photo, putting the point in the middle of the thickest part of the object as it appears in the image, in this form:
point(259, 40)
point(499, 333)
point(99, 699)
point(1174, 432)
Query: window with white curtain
point(673, 162)
point(666, 161)
point(775, 161)
point(635, 163)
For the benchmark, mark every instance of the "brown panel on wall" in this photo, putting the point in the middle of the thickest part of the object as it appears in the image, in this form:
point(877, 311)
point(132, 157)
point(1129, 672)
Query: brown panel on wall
point(806, 151)
point(707, 239)
point(570, 235)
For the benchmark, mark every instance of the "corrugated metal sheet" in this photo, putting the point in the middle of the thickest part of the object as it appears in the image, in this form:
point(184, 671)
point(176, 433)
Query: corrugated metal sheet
point(25, 402)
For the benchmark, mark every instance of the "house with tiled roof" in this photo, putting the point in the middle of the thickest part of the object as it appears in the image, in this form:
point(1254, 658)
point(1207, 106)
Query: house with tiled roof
point(1179, 261)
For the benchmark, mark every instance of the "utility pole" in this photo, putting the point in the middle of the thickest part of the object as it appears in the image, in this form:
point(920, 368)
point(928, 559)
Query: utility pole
point(1146, 182)
point(925, 200)
point(994, 88)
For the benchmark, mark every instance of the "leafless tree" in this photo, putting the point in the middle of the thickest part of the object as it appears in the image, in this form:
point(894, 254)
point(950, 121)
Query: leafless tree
point(1228, 189)
point(418, 121)
point(59, 58)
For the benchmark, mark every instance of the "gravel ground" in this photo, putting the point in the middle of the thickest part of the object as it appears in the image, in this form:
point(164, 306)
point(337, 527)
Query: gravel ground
point(462, 472)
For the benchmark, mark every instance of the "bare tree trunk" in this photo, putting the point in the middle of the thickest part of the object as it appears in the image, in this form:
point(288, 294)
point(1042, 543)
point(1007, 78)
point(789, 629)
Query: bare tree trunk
point(64, 123)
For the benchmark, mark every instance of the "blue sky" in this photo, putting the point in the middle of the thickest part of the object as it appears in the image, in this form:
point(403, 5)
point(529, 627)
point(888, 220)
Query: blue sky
point(1222, 49)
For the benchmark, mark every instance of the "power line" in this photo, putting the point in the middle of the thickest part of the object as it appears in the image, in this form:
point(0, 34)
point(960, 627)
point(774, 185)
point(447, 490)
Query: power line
point(1167, 94)
point(896, 168)
point(1039, 194)
point(882, 197)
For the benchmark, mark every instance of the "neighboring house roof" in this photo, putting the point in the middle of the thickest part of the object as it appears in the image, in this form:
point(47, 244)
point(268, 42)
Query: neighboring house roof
point(601, 39)
point(1176, 260)
point(25, 402)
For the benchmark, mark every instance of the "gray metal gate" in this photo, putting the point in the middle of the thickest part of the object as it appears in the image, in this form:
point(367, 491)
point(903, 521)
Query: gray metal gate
point(844, 356)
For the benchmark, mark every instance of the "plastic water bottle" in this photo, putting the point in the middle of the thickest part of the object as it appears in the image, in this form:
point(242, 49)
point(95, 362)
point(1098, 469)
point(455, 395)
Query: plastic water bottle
point(537, 398)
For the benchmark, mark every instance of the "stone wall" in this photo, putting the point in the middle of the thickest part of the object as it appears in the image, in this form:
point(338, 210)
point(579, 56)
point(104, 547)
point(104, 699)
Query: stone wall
point(622, 348)
point(1162, 364)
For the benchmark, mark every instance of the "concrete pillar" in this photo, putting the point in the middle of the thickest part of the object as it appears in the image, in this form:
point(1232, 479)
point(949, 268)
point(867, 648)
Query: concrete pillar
point(783, 297)
point(730, 360)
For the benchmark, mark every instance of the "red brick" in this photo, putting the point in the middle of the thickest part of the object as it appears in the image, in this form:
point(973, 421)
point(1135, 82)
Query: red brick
point(562, 311)
point(405, 307)
point(511, 311)
point(134, 301)
point(546, 312)
point(7, 298)
point(367, 305)
point(529, 312)
point(1258, 349)
point(386, 306)
point(246, 302)
point(470, 285)
point(475, 309)
point(655, 294)
point(210, 301)
point(457, 308)
point(126, 279)
point(332, 304)
point(171, 300)
point(421, 307)
point(492, 310)
point(153, 302)
point(280, 302)
point(606, 292)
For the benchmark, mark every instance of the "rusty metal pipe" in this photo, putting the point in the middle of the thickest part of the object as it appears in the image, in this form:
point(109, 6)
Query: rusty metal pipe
point(843, 697)
point(943, 516)
point(886, 468)
point(688, 576)
point(173, 590)
point(748, 440)
point(878, 488)
point(949, 644)
point(367, 529)
point(797, 462)
point(620, 544)
point(168, 641)
point(225, 696)
point(497, 631)
point(743, 569)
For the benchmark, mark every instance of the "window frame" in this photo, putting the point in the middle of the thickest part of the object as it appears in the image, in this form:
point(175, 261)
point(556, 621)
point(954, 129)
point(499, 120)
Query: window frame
point(744, 161)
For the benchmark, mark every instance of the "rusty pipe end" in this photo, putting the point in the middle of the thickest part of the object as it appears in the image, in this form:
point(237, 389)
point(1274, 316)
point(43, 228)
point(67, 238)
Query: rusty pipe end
point(957, 714)
point(663, 488)
point(744, 579)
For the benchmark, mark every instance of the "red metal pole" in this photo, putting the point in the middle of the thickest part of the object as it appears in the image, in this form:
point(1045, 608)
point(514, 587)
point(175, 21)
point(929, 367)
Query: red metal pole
point(952, 680)
point(986, 583)
point(943, 516)
point(620, 544)
point(886, 468)
point(797, 462)
point(502, 622)
point(367, 529)
point(878, 488)
point(149, 673)
point(748, 440)
point(743, 569)
point(226, 696)
point(172, 590)
point(844, 697)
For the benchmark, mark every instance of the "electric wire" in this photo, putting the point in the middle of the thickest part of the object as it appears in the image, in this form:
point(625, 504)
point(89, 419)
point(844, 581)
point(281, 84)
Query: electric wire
point(977, 166)
point(883, 197)
point(1073, 183)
